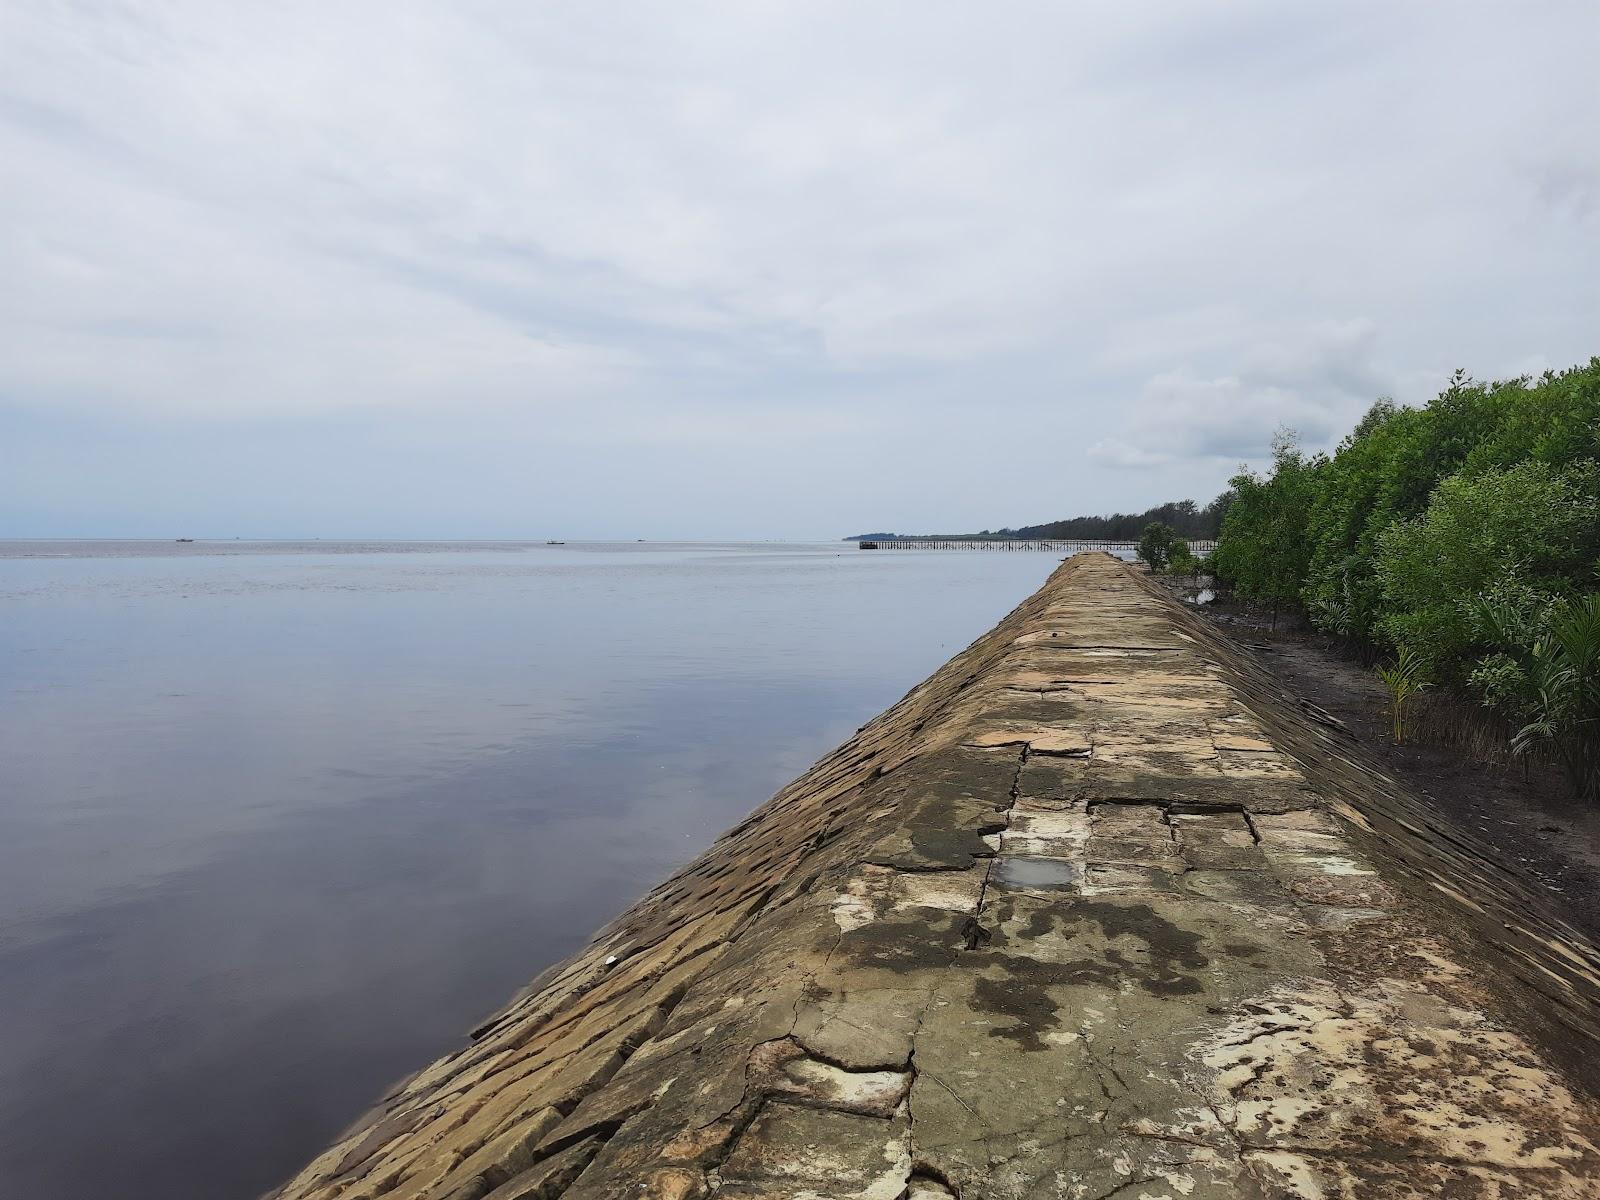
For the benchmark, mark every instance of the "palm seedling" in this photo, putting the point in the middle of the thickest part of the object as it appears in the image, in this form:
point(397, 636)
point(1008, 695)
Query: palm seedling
point(1564, 666)
point(1405, 680)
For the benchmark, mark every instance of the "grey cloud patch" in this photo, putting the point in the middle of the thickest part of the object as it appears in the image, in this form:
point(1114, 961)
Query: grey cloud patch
point(1571, 189)
point(1316, 384)
point(788, 268)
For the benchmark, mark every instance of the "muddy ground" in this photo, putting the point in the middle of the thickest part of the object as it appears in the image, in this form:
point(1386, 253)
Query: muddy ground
point(1528, 816)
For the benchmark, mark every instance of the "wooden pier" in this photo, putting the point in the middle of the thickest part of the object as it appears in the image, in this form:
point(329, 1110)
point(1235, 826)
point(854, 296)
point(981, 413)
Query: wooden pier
point(1069, 545)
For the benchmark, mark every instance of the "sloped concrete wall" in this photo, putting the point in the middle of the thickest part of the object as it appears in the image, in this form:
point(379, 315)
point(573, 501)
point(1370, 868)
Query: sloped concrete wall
point(1094, 912)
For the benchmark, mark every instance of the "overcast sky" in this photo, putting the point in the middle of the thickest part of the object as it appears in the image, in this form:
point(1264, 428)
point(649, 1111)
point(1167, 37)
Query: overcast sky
point(382, 268)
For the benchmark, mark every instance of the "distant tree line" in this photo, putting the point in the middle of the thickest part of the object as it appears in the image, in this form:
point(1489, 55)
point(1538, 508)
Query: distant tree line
point(1462, 537)
point(1183, 517)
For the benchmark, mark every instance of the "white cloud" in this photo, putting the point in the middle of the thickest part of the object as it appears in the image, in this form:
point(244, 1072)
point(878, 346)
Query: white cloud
point(1113, 236)
point(1117, 453)
point(1315, 381)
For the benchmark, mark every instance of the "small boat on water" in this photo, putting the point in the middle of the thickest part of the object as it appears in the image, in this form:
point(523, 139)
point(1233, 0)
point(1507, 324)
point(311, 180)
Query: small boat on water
point(555, 543)
point(186, 539)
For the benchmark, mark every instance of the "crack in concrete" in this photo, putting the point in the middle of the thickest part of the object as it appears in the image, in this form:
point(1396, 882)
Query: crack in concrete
point(973, 930)
point(1037, 954)
point(1119, 1190)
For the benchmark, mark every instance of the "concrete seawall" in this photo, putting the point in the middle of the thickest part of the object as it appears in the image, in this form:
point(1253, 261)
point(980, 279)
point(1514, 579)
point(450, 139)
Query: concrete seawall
point(1096, 911)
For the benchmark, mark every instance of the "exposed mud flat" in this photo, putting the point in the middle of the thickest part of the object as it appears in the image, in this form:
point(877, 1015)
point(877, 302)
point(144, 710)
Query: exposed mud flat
point(1094, 912)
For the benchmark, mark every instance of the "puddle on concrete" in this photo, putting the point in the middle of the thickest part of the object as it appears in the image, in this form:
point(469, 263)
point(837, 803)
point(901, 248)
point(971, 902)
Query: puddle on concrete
point(1023, 871)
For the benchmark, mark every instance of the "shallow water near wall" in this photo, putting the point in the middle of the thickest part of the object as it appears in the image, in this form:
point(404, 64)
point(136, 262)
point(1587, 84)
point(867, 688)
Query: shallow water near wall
point(279, 822)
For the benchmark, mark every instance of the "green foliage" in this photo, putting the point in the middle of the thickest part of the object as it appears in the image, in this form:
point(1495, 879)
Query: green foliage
point(1509, 618)
point(1377, 475)
point(1338, 598)
point(1405, 679)
point(1565, 672)
point(1262, 549)
point(1515, 531)
point(1504, 684)
point(1387, 469)
point(1555, 420)
point(1158, 543)
point(1184, 561)
point(1458, 532)
point(1189, 519)
point(1185, 517)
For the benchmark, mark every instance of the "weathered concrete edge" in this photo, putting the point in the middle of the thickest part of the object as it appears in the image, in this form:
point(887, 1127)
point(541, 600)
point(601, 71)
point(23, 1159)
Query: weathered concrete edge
point(828, 816)
point(876, 750)
point(880, 746)
point(1492, 912)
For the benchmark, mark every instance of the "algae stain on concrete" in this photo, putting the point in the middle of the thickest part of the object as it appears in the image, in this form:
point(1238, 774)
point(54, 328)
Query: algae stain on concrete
point(1115, 944)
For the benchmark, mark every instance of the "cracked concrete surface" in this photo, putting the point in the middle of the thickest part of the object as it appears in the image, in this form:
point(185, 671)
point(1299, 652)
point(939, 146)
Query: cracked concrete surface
point(1095, 912)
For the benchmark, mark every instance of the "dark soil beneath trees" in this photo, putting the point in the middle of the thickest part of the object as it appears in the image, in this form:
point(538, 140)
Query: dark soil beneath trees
point(1529, 818)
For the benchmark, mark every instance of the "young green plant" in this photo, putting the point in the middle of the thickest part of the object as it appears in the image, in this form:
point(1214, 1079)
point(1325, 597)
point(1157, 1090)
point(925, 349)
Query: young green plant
point(1565, 667)
point(1405, 680)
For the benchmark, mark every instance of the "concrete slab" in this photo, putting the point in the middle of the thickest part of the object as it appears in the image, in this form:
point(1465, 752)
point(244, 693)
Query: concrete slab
point(1093, 912)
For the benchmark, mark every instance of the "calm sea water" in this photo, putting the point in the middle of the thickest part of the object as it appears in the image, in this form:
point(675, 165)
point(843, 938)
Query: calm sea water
point(279, 822)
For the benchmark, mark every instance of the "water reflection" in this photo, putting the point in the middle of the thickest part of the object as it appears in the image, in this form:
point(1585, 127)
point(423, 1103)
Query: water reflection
point(279, 826)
